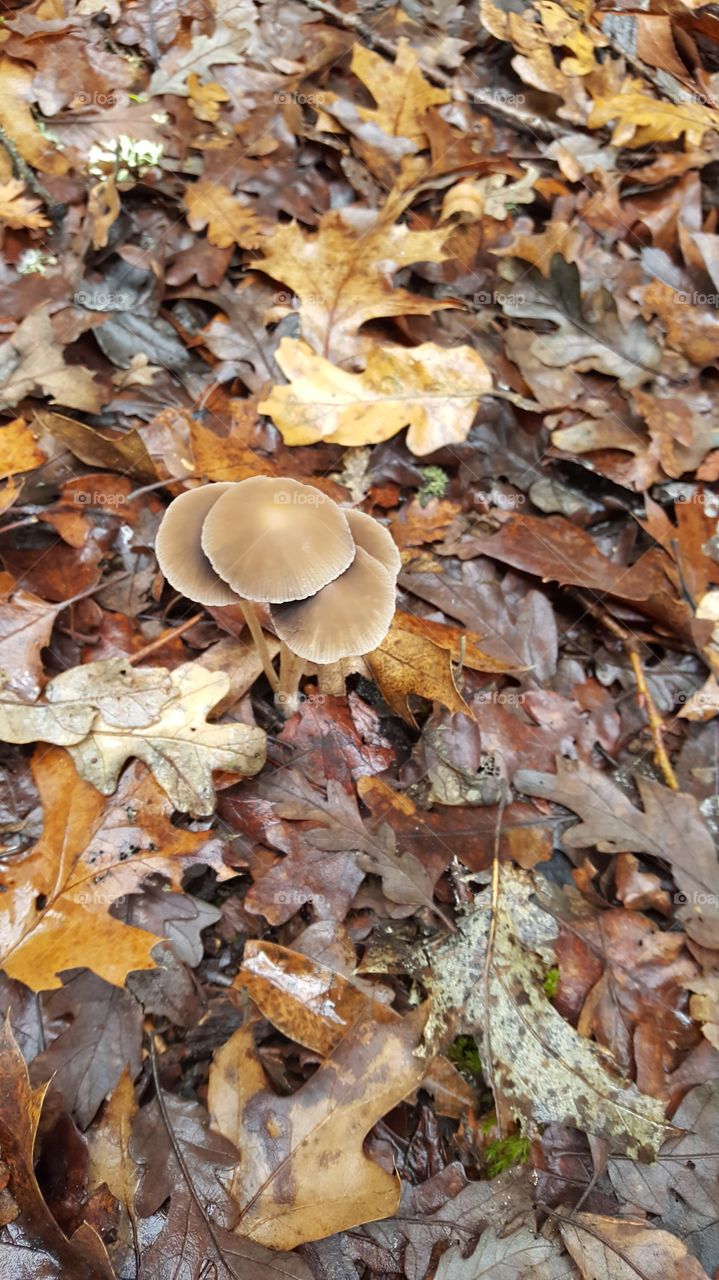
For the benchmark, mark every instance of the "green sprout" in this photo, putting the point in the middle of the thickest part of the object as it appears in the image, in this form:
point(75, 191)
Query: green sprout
point(505, 1152)
point(463, 1052)
point(435, 485)
point(551, 982)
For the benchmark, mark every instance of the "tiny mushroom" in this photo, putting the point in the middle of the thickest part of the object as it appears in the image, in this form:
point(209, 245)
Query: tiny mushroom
point(328, 574)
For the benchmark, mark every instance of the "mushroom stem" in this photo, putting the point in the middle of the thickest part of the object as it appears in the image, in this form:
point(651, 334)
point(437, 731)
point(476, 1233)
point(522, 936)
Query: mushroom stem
point(260, 643)
point(331, 679)
point(291, 669)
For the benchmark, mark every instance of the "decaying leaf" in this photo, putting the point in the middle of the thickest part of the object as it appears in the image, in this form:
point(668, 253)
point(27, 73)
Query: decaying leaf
point(432, 390)
point(31, 361)
point(106, 712)
point(30, 1238)
point(312, 1140)
point(626, 1249)
point(402, 93)
point(542, 1070)
point(227, 219)
point(19, 210)
point(671, 828)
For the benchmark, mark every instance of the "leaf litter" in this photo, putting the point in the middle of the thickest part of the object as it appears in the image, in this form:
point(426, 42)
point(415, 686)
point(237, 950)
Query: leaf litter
point(421, 978)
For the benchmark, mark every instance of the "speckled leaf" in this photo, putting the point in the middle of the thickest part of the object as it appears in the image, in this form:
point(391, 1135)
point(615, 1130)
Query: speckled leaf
point(542, 1070)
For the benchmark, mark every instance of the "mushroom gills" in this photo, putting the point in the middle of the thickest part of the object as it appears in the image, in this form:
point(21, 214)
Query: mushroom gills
point(348, 617)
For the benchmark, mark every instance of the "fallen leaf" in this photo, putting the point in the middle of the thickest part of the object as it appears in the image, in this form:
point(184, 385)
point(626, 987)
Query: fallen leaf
point(16, 118)
point(106, 712)
point(206, 99)
point(31, 362)
point(18, 210)
point(521, 1255)
point(670, 828)
point(491, 197)
point(343, 274)
point(26, 624)
point(304, 1174)
point(626, 1249)
point(31, 1241)
point(124, 452)
point(541, 1069)
point(402, 93)
point(227, 219)
point(408, 664)
point(220, 49)
point(432, 390)
point(641, 121)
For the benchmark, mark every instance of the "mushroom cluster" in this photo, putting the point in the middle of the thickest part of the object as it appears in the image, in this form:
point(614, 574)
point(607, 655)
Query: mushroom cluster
point(327, 574)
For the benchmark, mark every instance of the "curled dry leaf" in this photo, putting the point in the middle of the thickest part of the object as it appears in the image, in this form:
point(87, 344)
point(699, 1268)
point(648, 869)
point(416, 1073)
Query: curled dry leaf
point(31, 361)
point(430, 389)
point(626, 1249)
point(408, 663)
point(106, 712)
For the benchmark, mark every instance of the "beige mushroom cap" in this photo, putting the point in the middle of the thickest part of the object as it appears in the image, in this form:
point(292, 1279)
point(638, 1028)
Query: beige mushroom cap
point(277, 540)
point(350, 616)
point(179, 550)
point(372, 537)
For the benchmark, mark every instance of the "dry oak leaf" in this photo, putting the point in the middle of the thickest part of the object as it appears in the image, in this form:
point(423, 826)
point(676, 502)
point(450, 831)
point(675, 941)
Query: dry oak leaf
point(18, 449)
point(18, 210)
point(16, 118)
point(56, 897)
point(220, 49)
point(343, 274)
point(227, 219)
point(432, 390)
point(109, 1154)
point(490, 197)
point(226, 457)
point(408, 663)
point(641, 121)
point(31, 1242)
point(303, 1173)
point(670, 828)
point(106, 712)
point(626, 1249)
point(31, 362)
point(542, 1071)
point(400, 90)
point(205, 99)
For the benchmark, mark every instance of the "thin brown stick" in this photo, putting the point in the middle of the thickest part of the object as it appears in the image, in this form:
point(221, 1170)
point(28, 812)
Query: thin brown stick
point(644, 696)
point(491, 934)
point(168, 634)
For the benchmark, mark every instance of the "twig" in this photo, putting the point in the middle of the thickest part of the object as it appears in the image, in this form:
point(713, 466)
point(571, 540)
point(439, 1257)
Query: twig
point(55, 208)
point(491, 933)
point(180, 1157)
point(645, 699)
point(165, 635)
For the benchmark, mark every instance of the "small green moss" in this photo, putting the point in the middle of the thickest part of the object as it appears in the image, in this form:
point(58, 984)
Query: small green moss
point(506, 1152)
point(435, 485)
point(463, 1052)
point(551, 982)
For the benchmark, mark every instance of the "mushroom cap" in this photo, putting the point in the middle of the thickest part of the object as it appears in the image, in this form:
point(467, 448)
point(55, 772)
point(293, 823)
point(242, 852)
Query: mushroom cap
point(350, 616)
point(277, 540)
point(179, 550)
point(372, 537)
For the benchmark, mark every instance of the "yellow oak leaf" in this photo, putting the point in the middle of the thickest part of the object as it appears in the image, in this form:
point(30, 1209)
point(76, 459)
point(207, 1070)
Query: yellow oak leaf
point(343, 274)
point(227, 219)
point(432, 390)
point(205, 99)
point(18, 449)
point(401, 92)
point(640, 121)
point(409, 663)
point(16, 118)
